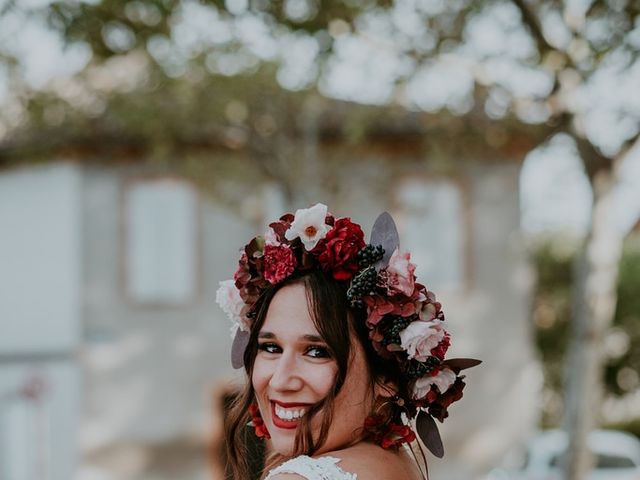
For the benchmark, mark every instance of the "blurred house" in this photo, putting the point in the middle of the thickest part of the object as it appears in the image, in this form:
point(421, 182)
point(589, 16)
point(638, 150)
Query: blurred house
point(108, 275)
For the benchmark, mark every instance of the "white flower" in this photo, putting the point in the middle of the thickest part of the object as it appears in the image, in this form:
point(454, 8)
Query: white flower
point(420, 337)
point(443, 380)
point(308, 224)
point(228, 297)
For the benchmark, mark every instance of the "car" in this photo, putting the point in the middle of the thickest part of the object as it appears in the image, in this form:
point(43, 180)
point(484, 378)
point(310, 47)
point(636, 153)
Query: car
point(617, 457)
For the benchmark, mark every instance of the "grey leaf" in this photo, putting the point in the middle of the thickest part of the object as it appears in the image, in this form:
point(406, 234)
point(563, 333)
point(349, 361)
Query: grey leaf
point(240, 343)
point(428, 432)
point(385, 233)
point(458, 364)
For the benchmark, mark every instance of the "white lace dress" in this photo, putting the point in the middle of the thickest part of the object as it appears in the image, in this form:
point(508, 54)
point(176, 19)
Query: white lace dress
point(321, 468)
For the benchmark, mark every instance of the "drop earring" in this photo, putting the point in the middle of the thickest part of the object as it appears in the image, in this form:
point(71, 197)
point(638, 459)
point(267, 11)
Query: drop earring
point(257, 423)
point(384, 431)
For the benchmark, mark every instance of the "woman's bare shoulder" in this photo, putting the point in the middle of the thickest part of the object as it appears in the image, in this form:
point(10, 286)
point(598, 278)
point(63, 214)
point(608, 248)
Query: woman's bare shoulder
point(370, 461)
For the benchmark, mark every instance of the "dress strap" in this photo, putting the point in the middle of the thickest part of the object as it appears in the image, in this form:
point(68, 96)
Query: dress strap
point(321, 468)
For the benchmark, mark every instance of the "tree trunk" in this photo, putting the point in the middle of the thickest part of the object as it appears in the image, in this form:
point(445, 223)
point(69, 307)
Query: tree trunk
point(594, 302)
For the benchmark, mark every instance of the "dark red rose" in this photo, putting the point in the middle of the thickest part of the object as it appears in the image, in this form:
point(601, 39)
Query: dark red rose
point(339, 249)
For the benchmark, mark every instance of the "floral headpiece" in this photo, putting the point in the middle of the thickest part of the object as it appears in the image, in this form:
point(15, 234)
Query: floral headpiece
point(406, 323)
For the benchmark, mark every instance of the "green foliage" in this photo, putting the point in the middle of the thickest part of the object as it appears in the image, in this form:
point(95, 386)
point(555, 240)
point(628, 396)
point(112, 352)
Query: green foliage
point(554, 262)
point(552, 309)
point(90, 22)
point(620, 371)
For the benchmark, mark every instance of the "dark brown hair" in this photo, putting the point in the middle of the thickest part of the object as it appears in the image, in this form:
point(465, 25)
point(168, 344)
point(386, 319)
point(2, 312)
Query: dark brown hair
point(330, 312)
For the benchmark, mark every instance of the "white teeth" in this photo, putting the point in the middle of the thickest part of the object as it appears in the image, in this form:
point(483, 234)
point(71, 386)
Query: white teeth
point(288, 415)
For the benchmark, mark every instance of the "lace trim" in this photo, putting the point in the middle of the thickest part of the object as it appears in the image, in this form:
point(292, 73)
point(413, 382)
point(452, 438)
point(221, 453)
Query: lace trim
point(321, 468)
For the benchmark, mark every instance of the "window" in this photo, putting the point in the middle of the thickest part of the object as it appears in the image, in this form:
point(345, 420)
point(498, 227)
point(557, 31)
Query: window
point(161, 242)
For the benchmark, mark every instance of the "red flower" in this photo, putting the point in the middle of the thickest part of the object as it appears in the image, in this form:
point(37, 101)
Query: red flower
point(438, 407)
point(378, 307)
point(386, 433)
point(257, 422)
point(281, 226)
point(248, 280)
point(339, 249)
point(279, 263)
point(441, 349)
point(397, 435)
point(243, 273)
point(373, 422)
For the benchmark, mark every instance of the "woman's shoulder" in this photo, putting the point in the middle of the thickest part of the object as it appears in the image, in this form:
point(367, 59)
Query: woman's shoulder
point(359, 462)
point(372, 461)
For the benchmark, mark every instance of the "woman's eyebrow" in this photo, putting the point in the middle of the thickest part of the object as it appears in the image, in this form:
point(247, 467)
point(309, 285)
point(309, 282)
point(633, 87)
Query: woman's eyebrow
point(313, 338)
point(307, 337)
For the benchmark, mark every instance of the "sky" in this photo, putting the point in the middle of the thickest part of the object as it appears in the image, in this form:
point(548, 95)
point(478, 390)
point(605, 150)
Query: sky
point(555, 194)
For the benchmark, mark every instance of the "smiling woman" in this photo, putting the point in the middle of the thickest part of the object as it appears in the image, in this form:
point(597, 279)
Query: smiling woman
point(342, 348)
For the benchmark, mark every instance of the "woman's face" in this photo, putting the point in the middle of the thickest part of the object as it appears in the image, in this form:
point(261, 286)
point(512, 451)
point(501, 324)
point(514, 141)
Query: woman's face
point(293, 370)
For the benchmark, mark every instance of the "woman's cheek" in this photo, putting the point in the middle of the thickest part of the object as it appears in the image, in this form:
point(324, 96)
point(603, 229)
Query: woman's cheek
point(259, 377)
point(322, 377)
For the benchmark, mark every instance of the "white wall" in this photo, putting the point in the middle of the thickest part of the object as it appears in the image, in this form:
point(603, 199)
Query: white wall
point(40, 317)
point(40, 286)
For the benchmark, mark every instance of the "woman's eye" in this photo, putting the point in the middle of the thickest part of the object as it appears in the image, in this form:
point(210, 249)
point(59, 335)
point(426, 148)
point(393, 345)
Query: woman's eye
point(318, 352)
point(269, 347)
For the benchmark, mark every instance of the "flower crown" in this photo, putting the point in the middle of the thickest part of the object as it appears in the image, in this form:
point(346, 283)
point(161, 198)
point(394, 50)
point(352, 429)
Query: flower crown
point(406, 323)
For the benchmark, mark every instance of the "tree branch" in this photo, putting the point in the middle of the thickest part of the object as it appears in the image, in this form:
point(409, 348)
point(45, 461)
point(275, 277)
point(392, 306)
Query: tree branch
point(628, 145)
point(531, 21)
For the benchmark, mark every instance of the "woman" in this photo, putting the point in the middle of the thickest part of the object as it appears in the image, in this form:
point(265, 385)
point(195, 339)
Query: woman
point(342, 348)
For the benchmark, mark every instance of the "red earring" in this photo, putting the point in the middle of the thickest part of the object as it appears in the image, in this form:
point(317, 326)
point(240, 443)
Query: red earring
point(388, 434)
point(257, 423)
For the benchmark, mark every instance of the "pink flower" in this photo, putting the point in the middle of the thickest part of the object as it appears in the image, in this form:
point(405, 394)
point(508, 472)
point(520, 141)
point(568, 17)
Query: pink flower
point(228, 297)
point(442, 380)
point(378, 305)
point(419, 338)
point(400, 273)
point(279, 263)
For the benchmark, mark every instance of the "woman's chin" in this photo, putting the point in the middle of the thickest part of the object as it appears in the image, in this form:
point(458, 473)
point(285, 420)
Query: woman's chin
point(282, 446)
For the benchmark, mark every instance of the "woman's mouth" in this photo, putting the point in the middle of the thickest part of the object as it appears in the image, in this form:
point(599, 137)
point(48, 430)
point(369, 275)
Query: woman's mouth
point(287, 415)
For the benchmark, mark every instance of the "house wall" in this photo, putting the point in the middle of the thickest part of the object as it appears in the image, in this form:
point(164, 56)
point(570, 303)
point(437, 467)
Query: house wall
point(40, 322)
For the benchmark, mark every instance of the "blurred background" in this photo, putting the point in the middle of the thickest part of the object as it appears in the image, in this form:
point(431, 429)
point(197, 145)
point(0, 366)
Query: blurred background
point(142, 143)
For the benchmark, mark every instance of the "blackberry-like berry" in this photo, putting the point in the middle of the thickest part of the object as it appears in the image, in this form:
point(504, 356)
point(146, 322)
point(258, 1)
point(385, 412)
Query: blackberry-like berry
point(416, 369)
point(392, 333)
point(369, 255)
point(363, 283)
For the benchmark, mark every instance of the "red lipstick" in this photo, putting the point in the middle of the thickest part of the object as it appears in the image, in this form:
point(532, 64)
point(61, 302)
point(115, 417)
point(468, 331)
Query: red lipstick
point(285, 424)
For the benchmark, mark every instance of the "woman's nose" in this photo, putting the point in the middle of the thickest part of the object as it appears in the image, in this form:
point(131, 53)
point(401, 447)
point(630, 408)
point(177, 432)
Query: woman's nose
point(287, 375)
